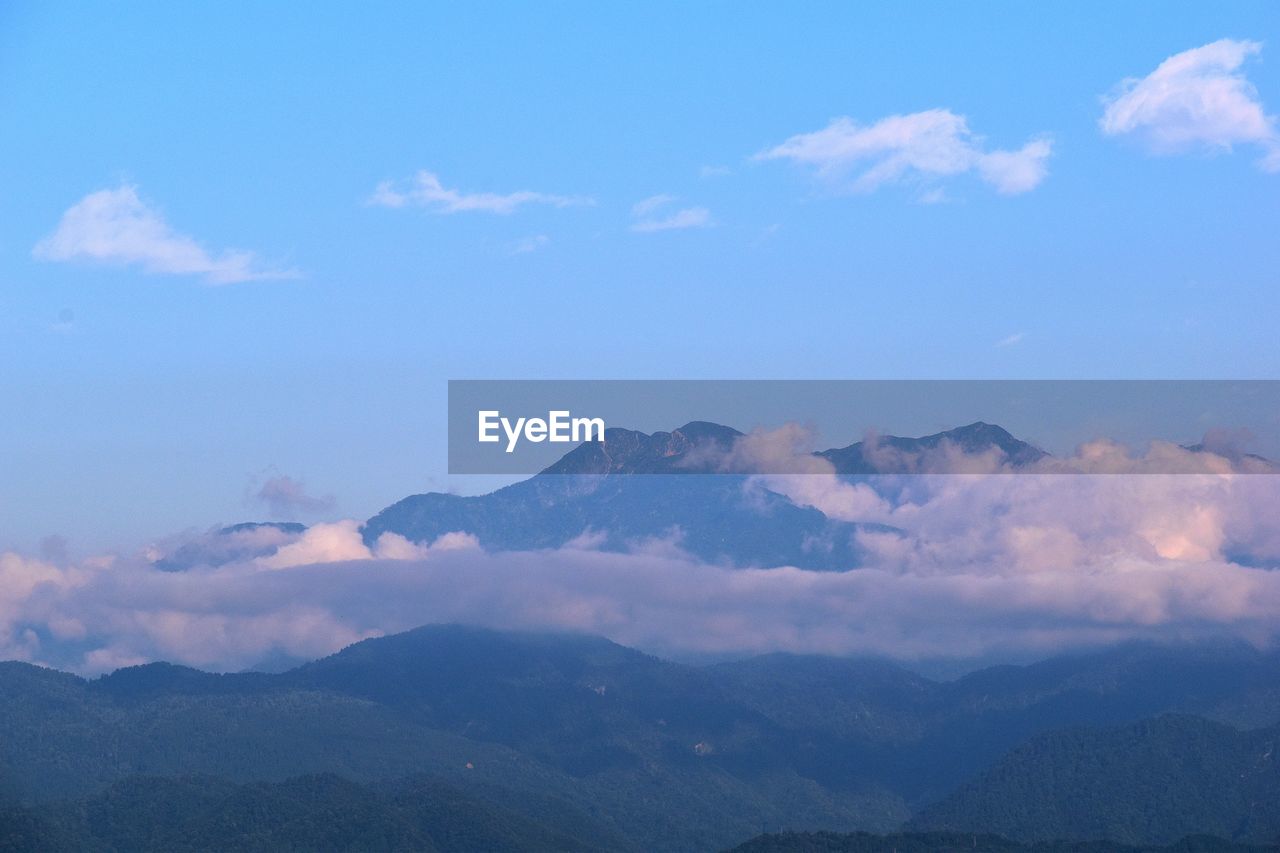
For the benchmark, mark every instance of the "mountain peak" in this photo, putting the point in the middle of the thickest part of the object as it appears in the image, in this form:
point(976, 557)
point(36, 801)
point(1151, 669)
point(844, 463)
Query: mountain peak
point(865, 458)
point(625, 451)
point(706, 430)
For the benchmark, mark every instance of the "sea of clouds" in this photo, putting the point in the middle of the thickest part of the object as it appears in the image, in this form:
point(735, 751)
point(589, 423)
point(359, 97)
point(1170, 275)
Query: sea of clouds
point(1081, 551)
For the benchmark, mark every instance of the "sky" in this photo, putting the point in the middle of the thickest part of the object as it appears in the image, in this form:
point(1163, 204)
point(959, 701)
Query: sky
point(243, 247)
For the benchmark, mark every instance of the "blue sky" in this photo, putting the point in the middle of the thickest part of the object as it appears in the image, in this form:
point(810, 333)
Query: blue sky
point(138, 400)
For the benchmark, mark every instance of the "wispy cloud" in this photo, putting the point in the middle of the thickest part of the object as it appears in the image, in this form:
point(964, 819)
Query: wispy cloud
point(1015, 338)
point(116, 226)
point(425, 190)
point(646, 206)
point(1197, 99)
point(923, 146)
point(532, 243)
point(647, 212)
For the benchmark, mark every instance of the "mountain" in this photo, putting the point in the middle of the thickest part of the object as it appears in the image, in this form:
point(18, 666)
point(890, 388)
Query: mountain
point(292, 527)
point(590, 492)
point(1156, 780)
point(893, 454)
point(716, 517)
point(612, 746)
point(924, 737)
point(694, 448)
point(634, 489)
point(525, 722)
point(233, 543)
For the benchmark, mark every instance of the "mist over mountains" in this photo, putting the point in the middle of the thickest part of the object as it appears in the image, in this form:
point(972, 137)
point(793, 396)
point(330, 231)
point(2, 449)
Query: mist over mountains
point(585, 744)
point(635, 488)
point(588, 492)
point(812, 581)
point(1013, 555)
point(632, 487)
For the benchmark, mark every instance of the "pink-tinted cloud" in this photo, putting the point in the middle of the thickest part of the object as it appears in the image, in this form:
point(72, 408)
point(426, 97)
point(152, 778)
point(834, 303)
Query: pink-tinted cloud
point(955, 565)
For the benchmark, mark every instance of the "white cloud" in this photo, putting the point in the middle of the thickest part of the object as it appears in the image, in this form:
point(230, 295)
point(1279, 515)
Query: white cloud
point(1197, 99)
point(690, 217)
point(1015, 338)
point(117, 227)
point(425, 190)
point(1065, 562)
point(320, 543)
point(927, 146)
point(287, 497)
point(1014, 172)
point(964, 564)
point(646, 211)
point(782, 461)
point(532, 243)
point(936, 195)
point(341, 541)
point(393, 546)
point(646, 206)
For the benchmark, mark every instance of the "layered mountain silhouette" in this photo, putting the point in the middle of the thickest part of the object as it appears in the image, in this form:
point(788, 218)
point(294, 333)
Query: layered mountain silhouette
point(591, 491)
point(577, 738)
point(634, 489)
point(892, 454)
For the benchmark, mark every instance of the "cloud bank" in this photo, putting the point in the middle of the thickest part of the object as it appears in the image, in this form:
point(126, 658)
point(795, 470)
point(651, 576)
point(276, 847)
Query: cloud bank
point(1196, 100)
point(953, 566)
point(117, 227)
point(921, 147)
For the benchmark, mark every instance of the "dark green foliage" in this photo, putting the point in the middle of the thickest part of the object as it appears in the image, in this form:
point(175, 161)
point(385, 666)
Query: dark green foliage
point(1156, 780)
point(609, 745)
point(922, 738)
point(22, 830)
point(308, 813)
point(964, 842)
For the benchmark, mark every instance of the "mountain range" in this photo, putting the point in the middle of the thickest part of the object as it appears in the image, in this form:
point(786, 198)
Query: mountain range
point(455, 738)
point(576, 738)
point(591, 491)
point(634, 489)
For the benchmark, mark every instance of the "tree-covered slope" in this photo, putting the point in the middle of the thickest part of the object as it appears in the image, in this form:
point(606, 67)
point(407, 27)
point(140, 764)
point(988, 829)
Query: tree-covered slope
point(311, 813)
point(664, 755)
point(965, 842)
point(1153, 781)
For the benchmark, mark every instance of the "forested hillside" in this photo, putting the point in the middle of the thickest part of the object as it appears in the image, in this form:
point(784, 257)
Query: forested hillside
point(621, 750)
